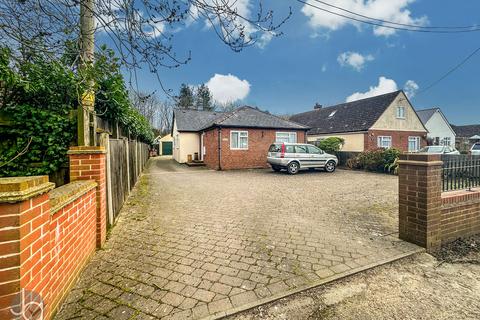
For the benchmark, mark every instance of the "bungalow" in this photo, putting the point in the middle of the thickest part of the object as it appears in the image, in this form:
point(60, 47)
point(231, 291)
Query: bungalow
point(384, 121)
point(230, 140)
point(440, 133)
point(466, 136)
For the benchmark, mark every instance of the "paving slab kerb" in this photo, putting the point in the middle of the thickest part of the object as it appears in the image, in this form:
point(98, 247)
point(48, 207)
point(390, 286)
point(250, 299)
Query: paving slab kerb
point(194, 243)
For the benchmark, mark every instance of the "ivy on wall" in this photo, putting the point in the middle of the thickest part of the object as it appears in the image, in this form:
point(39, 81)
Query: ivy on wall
point(112, 100)
point(36, 129)
point(38, 97)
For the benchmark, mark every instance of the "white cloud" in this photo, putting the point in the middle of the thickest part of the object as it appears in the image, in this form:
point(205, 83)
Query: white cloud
point(354, 60)
point(243, 8)
point(389, 10)
point(411, 88)
point(324, 67)
point(228, 88)
point(385, 85)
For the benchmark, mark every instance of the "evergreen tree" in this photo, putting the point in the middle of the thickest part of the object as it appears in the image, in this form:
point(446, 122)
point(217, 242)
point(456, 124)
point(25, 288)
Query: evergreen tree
point(185, 98)
point(203, 99)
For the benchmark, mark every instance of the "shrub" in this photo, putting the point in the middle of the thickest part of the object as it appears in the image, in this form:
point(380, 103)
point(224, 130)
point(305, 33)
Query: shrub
point(38, 100)
point(378, 160)
point(38, 97)
point(331, 144)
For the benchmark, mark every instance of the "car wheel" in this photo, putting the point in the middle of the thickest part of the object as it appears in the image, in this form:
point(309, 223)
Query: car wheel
point(276, 169)
point(293, 167)
point(330, 166)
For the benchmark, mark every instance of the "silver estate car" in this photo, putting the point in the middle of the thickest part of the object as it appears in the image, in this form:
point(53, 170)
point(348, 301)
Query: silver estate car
point(296, 156)
point(438, 150)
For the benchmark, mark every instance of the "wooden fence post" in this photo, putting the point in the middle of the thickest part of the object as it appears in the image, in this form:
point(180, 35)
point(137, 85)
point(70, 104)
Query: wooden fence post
point(105, 142)
point(127, 150)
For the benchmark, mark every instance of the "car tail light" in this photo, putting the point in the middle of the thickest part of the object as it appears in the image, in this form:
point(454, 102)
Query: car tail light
point(282, 154)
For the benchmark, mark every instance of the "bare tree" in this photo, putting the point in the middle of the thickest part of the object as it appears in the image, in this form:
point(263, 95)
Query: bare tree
point(158, 113)
point(147, 104)
point(165, 117)
point(227, 106)
point(141, 32)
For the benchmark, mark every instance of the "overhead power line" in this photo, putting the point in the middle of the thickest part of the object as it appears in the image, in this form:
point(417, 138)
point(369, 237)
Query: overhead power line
point(378, 24)
point(449, 72)
point(397, 23)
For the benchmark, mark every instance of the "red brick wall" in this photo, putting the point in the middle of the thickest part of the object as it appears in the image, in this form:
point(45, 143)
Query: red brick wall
point(210, 141)
point(72, 241)
point(259, 140)
point(460, 214)
point(24, 249)
point(420, 188)
point(91, 166)
point(45, 252)
point(427, 216)
point(399, 138)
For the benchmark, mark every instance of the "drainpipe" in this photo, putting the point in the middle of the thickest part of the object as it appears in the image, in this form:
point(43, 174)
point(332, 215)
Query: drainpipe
point(219, 148)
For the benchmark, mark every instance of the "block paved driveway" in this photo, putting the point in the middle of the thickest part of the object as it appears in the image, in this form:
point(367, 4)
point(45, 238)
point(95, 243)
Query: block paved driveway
point(192, 243)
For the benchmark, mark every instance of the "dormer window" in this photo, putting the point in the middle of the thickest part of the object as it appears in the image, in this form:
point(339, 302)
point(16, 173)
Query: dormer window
point(332, 114)
point(400, 112)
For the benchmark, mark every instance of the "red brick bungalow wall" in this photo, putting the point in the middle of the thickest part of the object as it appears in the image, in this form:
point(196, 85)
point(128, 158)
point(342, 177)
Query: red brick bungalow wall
point(399, 138)
point(259, 140)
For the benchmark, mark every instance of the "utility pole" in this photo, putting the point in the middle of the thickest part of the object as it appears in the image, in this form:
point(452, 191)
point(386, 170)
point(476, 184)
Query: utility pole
point(86, 116)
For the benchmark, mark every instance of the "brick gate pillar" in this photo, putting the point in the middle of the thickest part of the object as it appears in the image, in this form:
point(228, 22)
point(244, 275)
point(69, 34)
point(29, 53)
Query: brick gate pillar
point(24, 243)
point(420, 199)
point(88, 163)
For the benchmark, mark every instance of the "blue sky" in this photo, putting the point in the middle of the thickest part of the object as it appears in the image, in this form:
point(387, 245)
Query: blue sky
point(293, 72)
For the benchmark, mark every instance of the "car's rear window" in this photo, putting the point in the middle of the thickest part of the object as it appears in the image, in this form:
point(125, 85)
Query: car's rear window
point(476, 146)
point(275, 148)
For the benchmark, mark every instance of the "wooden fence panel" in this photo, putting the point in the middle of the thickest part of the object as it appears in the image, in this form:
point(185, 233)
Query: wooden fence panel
point(118, 160)
point(132, 163)
point(127, 161)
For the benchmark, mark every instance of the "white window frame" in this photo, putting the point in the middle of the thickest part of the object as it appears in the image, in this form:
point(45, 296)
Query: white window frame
point(416, 139)
point(238, 142)
point(401, 115)
point(290, 135)
point(443, 141)
point(380, 140)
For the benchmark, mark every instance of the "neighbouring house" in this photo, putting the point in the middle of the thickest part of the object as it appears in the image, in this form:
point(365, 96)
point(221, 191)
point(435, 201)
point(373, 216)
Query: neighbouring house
point(384, 121)
point(440, 133)
point(165, 145)
point(230, 140)
point(466, 136)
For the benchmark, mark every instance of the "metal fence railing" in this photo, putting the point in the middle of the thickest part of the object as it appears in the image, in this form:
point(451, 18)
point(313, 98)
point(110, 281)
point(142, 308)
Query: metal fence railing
point(460, 172)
